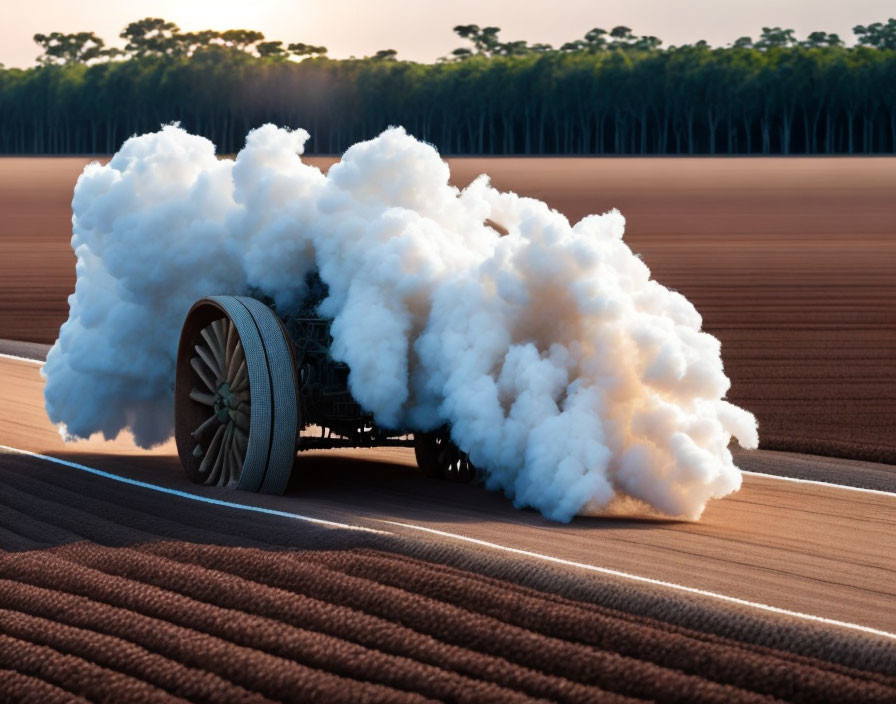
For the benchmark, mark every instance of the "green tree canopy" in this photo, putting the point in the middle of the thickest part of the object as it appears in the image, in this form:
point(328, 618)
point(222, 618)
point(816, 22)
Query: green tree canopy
point(385, 55)
point(773, 37)
point(878, 35)
point(152, 36)
point(77, 48)
point(303, 50)
point(609, 92)
point(241, 39)
point(271, 50)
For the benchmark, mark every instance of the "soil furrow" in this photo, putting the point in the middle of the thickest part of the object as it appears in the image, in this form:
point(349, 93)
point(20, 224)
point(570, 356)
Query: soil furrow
point(273, 676)
point(266, 606)
point(76, 675)
point(50, 628)
point(18, 688)
point(777, 673)
point(584, 664)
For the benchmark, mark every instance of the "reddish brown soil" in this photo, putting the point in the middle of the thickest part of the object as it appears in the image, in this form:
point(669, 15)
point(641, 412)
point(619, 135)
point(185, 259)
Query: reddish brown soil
point(792, 263)
point(100, 599)
point(816, 550)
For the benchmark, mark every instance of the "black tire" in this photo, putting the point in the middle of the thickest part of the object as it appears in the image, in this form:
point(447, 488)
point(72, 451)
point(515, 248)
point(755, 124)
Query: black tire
point(427, 453)
point(438, 457)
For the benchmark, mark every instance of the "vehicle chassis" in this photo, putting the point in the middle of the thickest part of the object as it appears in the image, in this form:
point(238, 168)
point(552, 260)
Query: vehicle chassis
point(253, 387)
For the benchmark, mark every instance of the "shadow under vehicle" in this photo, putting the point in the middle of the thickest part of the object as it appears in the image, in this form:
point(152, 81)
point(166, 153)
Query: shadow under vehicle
point(253, 387)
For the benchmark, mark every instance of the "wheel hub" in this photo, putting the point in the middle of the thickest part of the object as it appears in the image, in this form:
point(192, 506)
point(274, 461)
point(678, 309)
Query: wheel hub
point(225, 403)
point(221, 374)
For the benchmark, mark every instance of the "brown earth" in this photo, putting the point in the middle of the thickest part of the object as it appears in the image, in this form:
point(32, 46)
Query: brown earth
point(815, 549)
point(792, 263)
point(110, 590)
point(166, 621)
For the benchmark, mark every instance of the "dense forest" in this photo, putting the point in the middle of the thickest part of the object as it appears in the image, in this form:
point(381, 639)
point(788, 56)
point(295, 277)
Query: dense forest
point(611, 92)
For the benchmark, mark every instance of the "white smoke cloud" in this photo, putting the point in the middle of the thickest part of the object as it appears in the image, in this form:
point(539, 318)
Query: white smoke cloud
point(575, 381)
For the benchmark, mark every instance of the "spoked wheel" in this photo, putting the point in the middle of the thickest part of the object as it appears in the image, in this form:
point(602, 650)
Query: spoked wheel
point(223, 438)
point(438, 456)
point(235, 403)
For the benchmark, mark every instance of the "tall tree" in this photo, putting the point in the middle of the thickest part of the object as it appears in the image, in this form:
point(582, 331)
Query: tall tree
point(241, 39)
point(152, 36)
point(775, 37)
point(878, 35)
point(485, 39)
point(817, 39)
point(609, 92)
point(271, 50)
point(77, 48)
point(306, 50)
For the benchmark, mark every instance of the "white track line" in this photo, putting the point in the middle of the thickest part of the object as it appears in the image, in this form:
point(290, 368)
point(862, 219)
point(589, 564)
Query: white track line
point(475, 541)
point(649, 580)
point(22, 359)
point(188, 495)
point(815, 482)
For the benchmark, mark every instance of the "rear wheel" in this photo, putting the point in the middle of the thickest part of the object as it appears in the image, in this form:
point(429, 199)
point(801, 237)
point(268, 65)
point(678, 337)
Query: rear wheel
point(438, 456)
point(236, 410)
point(222, 439)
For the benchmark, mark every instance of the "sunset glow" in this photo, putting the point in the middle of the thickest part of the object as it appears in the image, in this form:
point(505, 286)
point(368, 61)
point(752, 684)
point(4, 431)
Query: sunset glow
point(421, 31)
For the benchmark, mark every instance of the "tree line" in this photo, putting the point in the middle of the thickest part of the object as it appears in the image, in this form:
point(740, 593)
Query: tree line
point(610, 92)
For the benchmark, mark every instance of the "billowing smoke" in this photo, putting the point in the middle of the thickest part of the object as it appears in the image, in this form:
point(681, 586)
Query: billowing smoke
point(574, 380)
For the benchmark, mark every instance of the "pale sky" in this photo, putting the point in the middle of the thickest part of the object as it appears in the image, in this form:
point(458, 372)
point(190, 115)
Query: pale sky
point(421, 31)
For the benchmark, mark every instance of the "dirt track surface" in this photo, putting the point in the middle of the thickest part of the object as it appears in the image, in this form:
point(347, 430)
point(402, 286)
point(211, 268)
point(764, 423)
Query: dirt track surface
point(792, 263)
point(108, 584)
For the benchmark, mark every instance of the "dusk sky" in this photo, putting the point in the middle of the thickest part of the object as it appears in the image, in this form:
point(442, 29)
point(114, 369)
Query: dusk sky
point(421, 31)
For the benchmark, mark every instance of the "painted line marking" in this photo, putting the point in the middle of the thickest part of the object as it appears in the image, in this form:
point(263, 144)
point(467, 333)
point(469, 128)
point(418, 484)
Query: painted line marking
point(815, 482)
point(191, 496)
point(22, 359)
point(649, 580)
point(475, 541)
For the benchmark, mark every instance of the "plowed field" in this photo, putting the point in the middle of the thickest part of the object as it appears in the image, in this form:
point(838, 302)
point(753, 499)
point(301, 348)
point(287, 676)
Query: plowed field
point(792, 263)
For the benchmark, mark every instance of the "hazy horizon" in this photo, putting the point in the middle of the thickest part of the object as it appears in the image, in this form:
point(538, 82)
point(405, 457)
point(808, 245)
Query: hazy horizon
point(423, 31)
